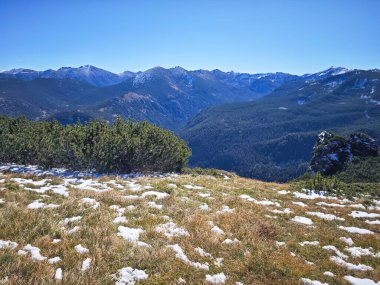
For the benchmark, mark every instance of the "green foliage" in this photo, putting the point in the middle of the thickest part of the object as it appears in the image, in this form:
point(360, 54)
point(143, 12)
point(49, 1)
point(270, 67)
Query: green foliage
point(206, 171)
point(362, 169)
point(321, 183)
point(335, 185)
point(122, 147)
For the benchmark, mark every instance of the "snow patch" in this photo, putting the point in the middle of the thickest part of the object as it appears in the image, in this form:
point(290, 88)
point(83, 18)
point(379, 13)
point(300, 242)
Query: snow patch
point(170, 230)
point(219, 278)
point(182, 256)
point(129, 276)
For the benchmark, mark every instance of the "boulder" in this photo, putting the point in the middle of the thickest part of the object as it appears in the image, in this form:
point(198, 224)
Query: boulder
point(363, 145)
point(332, 152)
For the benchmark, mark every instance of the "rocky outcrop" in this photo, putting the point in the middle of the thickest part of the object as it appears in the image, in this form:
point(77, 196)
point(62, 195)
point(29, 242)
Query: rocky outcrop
point(331, 152)
point(363, 145)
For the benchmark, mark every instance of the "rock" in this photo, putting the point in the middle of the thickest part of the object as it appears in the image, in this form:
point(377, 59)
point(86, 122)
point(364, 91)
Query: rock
point(332, 152)
point(363, 145)
point(324, 137)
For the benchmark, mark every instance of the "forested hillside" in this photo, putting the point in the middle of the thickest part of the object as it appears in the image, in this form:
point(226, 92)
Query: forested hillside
point(272, 138)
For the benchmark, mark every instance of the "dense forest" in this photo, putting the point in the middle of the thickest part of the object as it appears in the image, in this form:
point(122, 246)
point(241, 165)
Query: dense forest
point(272, 138)
point(121, 147)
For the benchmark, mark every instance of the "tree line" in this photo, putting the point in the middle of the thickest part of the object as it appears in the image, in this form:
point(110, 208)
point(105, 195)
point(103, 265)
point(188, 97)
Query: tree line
point(120, 147)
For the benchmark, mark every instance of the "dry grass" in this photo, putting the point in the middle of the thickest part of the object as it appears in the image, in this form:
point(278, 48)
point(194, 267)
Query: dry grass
point(254, 259)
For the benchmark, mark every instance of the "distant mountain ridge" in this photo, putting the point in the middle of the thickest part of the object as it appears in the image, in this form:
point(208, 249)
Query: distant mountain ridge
point(100, 77)
point(87, 73)
point(166, 97)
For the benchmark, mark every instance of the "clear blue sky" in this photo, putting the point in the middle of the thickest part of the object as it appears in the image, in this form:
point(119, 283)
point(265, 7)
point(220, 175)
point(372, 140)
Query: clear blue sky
point(241, 35)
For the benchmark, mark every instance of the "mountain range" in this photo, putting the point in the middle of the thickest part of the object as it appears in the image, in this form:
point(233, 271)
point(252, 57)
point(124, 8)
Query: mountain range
point(166, 97)
point(260, 125)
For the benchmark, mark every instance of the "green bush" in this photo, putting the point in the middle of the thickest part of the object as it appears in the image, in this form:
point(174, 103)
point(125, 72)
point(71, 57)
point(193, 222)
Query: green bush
point(121, 147)
point(335, 185)
point(207, 171)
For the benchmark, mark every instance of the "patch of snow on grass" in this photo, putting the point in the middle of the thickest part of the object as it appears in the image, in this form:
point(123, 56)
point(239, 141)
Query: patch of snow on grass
point(158, 195)
point(285, 211)
point(5, 244)
point(359, 252)
point(219, 278)
point(120, 220)
point(303, 243)
point(361, 214)
point(331, 204)
point(218, 262)
point(182, 256)
point(216, 230)
point(134, 187)
point(131, 197)
point(71, 220)
point(129, 234)
point(328, 273)
point(153, 204)
point(347, 241)
point(350, 266)
point(54, 260)
point(73, 230)
point(302, 220)
point(92, 202)
point(120, 211)
point(35, 252)
point(37, 204)
point(58, 274)
point(311, 195)
point(204, 207)
point(230, 241)
point(264, 202)
point(311, 282)
point(323, 216)
point(334, 249)
point(355, 230)
point(225, 209)
point(86, 264)
point(193, 187)
point(129, 276)
point(376, 222)
point(80, 249)
point(202, 252)
point(360, 281)
point(301, 204)
point(170, 230)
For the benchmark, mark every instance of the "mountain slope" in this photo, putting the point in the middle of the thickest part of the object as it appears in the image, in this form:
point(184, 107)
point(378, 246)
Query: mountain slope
point(272, 138)
point(160, 230)
point(39, 97)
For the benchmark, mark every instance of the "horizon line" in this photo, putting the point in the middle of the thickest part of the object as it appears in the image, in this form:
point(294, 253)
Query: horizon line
point(190, 70)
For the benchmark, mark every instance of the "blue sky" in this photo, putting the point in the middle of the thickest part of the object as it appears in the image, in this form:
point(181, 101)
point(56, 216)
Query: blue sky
point(241, 35)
